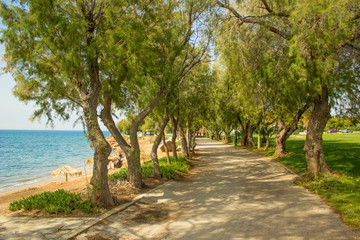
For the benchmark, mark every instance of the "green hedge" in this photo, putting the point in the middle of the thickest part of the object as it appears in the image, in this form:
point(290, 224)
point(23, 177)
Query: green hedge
point(53, 202)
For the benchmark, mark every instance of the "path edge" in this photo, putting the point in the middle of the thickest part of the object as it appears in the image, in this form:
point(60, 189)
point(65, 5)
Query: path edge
point(107, 214)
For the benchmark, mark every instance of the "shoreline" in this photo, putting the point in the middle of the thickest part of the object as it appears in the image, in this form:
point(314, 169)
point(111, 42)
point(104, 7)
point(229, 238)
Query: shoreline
point(28, 183)
point(74, 184)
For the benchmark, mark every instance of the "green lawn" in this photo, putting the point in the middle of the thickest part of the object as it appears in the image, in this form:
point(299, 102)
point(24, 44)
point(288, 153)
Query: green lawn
point(342, 189)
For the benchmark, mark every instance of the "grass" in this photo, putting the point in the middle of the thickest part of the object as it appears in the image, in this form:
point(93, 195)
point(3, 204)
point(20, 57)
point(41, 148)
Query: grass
point(166, 170)
point(60, 201)
point(342, 189)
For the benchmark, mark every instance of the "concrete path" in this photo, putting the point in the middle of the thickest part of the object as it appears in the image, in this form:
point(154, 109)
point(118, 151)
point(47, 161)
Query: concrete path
point(231, 194)
point(234, 194)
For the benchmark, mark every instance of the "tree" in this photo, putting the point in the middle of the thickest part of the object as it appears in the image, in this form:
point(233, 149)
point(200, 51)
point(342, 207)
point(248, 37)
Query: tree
point(149, 123)
point(319, 36)
point(124, 124)
point(54, 51)
point(164, 56)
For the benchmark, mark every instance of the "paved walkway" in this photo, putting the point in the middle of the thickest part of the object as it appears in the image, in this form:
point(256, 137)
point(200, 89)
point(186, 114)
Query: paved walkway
point(232, 194)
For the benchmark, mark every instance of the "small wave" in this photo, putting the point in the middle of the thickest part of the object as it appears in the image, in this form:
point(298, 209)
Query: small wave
point(26, 180)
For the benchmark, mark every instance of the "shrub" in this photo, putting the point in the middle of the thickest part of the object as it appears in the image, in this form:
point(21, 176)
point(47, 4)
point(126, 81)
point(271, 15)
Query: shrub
point(171, 171)
point(166, 170)
point(53, 202)
point(120, 174)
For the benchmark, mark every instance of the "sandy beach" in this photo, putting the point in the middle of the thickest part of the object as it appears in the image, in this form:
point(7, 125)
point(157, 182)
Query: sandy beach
point(74, 184)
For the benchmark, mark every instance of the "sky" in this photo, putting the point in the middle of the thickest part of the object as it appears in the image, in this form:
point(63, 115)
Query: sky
point(16, 115)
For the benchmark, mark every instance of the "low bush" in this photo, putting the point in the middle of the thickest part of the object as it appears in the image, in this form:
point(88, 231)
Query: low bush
point(120, 174)
point(60, 201)
point(166, 170)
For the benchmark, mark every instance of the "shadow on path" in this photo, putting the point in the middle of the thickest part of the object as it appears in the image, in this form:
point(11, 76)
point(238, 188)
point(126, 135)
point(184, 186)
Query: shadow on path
point(232, 194)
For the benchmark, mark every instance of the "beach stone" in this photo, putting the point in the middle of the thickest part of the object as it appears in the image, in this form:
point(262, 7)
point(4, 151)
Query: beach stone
point(168, 144)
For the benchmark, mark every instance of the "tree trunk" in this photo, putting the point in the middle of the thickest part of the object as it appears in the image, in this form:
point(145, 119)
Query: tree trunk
point(280, 140)
point(173, 138)
point(315, 156)
point(193, 138)
point(188, 135)
point(244, 134)
point(227, 136)
point(166, 150)
point(250, 132)
point(217, 135)
point(268, 136)
point(154, 149)
point(285, 131)
point(131, 151)
point(101, 193)
point(267, 143)
point(184, 149)
point(259, 137)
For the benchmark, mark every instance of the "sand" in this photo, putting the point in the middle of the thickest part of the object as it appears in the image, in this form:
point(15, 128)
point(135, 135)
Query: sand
point(74, 184)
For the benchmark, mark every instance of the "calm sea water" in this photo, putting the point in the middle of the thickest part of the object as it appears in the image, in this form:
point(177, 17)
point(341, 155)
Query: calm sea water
point(28, 157)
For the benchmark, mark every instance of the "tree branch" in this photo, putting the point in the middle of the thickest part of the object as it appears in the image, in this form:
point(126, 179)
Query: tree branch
point(255, 19)
point(108, 121)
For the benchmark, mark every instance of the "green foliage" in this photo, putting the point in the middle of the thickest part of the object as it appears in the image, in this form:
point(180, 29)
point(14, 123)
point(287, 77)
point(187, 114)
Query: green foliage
point(119, 174)
point(171, 171)
point(149, 124)
point(166, 170)
point(124, 125)
point(59, 201)
point(340, 123)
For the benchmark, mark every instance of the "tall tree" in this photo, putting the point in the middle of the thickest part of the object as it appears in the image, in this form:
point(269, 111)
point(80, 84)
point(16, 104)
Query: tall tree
point(316, 32)
point(54, 51)
point(165, 55)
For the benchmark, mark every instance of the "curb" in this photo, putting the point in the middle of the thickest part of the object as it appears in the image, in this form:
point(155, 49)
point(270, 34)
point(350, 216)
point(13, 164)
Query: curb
point(107, 214)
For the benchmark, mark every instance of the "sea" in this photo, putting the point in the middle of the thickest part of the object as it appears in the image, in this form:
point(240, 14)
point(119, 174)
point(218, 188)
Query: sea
point(28, 157)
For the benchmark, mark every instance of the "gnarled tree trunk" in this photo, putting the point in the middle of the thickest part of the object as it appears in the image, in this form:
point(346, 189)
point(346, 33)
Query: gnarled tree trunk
point(244, 134)
point(315, 156)
point(101, 193)
point(250, 132)
point(132, 151)
point(154, 149)
point(285, 131)
point(184, 148)
point(280, 138)
point(268, 136)
point(247, 132)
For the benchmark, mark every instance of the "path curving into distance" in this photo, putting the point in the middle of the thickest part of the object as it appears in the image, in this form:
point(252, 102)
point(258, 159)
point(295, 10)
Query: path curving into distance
point(231, 194)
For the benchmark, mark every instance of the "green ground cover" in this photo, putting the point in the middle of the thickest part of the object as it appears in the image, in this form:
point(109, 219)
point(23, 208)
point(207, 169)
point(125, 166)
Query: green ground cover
point(166, 170)
point(59, 201)
point(62, 201)
point(342, 189)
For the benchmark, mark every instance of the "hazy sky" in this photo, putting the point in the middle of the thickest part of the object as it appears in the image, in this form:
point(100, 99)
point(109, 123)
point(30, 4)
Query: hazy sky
point(15, 114)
